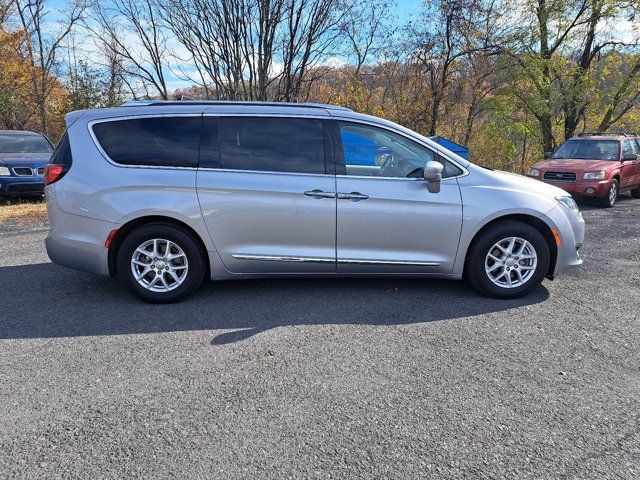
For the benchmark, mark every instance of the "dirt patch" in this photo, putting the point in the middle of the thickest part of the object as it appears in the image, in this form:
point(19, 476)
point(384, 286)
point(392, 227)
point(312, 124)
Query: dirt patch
point(22, 215)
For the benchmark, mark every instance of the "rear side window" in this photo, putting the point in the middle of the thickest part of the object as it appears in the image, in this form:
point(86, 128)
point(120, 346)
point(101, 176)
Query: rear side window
point(272, 144)
point(156, 141)
point(62, 153)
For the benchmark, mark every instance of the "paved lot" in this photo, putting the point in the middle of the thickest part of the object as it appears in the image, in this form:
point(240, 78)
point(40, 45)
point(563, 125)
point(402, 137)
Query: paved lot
point(323, 378)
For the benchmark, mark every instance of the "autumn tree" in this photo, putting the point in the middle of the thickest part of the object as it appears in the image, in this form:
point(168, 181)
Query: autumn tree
point(256, 49)
point(43, 45)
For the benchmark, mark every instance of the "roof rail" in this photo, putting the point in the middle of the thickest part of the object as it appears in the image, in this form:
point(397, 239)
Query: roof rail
point(592, 134)
point(151, 103)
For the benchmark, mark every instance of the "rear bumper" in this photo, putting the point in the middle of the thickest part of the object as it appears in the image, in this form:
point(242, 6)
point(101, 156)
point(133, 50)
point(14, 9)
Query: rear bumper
point(17, 186)
point(590, 188)
point(76, 241)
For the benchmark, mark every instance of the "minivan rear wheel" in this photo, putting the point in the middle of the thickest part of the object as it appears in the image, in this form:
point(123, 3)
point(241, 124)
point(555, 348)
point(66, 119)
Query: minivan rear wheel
point(161, 263)
point(508, 260)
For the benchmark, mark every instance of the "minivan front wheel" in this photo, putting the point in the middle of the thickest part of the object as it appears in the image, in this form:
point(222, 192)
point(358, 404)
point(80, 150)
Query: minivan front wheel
point(508, 260)
point(161, 263)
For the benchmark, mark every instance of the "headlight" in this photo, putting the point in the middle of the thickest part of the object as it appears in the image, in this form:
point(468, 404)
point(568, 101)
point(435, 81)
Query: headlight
point(568, 202)
point(594, 176)
point(533, 172)
point(4, 172)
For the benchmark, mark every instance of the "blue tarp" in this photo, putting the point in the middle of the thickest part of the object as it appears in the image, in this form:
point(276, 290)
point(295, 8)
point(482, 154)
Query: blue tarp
point(452, 146)
point(359, 150)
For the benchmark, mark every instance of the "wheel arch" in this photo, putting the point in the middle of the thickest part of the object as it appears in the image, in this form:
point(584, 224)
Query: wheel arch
point(539, 224)
point(138, 222)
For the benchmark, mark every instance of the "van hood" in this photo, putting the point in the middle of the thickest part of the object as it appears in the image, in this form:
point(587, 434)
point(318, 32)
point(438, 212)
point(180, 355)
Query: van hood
point(520, 182)
point(24, 159)
point(575, 165)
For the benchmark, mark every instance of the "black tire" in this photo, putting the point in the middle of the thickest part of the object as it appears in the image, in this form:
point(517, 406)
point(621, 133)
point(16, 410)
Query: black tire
point(483, 244)
point(184, 240)
point(609, 200)
point(635, 193)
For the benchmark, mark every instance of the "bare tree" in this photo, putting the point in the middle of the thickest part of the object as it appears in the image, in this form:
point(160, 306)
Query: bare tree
point(43, 46)
point(366, 30)
point(593, 40)
point(143, 57)
point(116, 78)
point(312, 29)
point(6, 9)
point(439, 46)
point(255, 49)
point(480, 69)
point(230, 43)
point(624, 98)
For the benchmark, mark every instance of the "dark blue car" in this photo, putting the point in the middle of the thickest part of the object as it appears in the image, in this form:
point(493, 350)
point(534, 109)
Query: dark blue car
point(23, 156)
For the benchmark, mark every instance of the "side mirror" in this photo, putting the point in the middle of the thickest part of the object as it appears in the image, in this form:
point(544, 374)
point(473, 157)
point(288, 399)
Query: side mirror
point(547, 155)
point(432, 173)
point(630, 157)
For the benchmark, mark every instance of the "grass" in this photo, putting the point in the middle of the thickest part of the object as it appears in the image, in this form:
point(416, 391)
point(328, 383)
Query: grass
point(23, 211)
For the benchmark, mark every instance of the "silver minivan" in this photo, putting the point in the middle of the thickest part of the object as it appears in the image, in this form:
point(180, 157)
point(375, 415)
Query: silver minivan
point(165, 194)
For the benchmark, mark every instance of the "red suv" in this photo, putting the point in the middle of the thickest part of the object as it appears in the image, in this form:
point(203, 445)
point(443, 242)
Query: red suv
point(594, 165)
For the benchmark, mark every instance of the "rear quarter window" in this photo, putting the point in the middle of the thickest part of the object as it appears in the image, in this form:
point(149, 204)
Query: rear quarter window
point(62, 153)
point(154, 141)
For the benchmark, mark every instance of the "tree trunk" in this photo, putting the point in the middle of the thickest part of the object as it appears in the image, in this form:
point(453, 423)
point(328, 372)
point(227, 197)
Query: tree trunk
point(547, 133)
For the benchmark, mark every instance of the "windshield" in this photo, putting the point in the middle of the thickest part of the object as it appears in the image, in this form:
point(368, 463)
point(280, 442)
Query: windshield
point(21, 143)
point(588, 150)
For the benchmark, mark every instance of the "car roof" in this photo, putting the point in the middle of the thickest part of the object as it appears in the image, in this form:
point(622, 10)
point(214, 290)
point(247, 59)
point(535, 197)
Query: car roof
point(603, 136)
point(227, 103)
point(22, 132)
point(170, 107)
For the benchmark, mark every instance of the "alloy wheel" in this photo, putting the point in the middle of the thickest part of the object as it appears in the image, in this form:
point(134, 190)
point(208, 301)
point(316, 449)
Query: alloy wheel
point(159, 265)
point(511, 262)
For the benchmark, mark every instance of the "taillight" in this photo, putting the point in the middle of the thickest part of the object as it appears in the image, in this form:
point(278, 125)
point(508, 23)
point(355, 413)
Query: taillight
point(60, 161)
point(53, 173)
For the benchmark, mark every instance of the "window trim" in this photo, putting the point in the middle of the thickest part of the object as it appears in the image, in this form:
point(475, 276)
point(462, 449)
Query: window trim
point(135, 117)
point(338, 141)
point(330, 157)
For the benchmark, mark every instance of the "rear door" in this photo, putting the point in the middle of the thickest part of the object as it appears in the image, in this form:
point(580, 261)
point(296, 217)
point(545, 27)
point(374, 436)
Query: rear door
point(388, 222)
point(266, 197)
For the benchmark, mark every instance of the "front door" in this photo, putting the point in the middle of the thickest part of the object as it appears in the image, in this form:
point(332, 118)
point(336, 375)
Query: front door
point(266, 198)
point(629, 168)
point(387, 220)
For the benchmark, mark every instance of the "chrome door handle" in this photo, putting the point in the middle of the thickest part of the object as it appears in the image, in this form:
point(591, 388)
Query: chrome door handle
point(355, 196)
point(317, 193)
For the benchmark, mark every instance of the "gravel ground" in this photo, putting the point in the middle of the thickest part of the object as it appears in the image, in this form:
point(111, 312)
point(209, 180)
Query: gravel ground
point(297, 379)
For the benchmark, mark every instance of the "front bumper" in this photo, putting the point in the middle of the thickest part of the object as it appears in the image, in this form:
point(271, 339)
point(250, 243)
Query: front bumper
point(571, 229)
point(583, 188)
point(21, 186)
